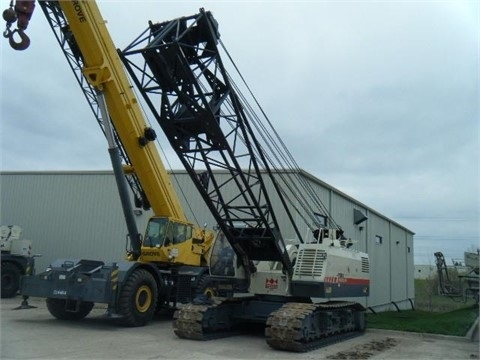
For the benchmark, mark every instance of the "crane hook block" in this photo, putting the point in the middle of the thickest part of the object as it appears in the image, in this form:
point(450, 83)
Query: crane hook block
point(24, 10)
point(21, 13)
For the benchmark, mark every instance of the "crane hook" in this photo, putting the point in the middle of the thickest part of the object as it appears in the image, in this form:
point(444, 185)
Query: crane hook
point(24, 40)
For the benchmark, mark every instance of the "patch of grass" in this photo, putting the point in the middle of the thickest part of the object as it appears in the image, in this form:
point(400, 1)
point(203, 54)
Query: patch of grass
point(456, 322)
point(434, 314)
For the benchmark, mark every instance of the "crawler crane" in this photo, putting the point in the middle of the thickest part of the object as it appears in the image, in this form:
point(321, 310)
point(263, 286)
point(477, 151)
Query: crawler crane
point(238, 163)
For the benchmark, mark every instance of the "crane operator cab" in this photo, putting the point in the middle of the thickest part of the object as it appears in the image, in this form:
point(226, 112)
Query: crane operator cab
point(169, 241)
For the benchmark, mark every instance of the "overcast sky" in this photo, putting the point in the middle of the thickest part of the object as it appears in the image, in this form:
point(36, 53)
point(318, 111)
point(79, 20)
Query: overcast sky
point(377, 98)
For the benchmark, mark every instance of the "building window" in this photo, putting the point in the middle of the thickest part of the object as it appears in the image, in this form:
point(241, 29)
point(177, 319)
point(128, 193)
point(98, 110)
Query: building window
point(378, 240)
point(322, 219)
point(408, 249)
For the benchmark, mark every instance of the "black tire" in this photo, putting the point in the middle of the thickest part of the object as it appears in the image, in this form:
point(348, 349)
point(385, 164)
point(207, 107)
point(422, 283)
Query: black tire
point(57, 308)
point(10, 280)
point(138, 299)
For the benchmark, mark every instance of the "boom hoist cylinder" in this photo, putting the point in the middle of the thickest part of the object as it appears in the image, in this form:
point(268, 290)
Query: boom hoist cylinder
point(114, 151)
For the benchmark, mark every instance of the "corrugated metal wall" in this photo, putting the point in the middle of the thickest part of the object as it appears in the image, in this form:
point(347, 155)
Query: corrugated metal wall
point(78, 215)
point(71, 215)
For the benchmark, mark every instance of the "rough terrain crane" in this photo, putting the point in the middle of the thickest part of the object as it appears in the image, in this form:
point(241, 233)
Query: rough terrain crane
point(240, 166)
point(17, 258)
point(165, 266)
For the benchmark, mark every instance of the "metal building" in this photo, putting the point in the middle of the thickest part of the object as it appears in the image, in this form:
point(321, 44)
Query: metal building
point(78, 215)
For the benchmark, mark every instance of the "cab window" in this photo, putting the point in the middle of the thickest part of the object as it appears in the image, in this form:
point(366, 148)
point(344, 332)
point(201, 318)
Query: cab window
point(181, 233)
point(223, 257)
point(155, 234)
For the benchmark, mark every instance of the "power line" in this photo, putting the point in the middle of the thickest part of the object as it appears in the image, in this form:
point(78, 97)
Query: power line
point(438, 218)
point(447, 237)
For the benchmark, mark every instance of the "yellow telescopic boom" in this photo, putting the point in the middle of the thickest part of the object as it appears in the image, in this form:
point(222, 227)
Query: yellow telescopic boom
point(104, 70)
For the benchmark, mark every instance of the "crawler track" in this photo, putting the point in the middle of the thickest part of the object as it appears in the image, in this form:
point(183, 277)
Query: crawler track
point(187, 322)
point(202, 322)
point(302, 327)
point(298, 327)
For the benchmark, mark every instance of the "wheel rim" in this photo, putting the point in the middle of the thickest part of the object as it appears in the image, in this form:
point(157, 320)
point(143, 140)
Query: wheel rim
point(143, 298)
point(210, 292)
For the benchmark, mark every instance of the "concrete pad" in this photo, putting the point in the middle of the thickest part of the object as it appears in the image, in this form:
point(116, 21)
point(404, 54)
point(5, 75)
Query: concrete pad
point(35, 334)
